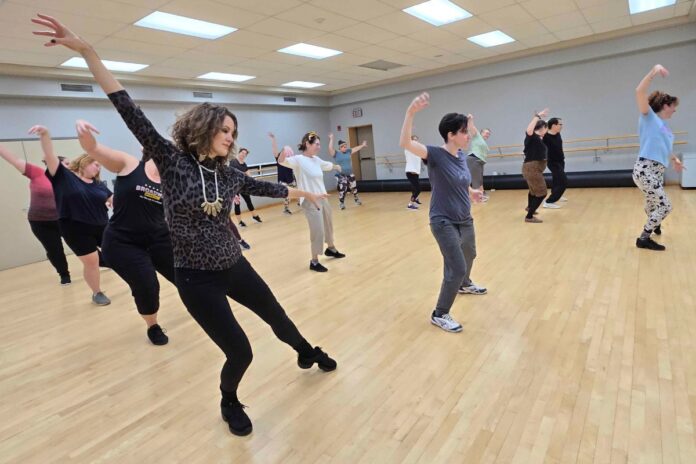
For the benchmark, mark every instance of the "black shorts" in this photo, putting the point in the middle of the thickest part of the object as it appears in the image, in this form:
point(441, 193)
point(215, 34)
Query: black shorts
point(82, 238)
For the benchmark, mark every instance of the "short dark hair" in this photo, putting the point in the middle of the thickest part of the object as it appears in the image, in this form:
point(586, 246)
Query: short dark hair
point(341, 142)
point(657, 100)
point(243, 149)
point(451, 122)
point(553, 122)
point(540, 125)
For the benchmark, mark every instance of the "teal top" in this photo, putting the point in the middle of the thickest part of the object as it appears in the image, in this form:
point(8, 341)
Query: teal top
point(656, 138)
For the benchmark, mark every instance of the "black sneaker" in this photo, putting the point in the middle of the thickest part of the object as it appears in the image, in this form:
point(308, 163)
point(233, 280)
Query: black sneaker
point(244, 244)
point(317, 267)
point(242, 224)
point(658, 230)
point(334, 253)
point(322, 360)
point(649, 243)
point(65, 279)
point(237, 420)
point(257, 219)
point(156, 335)
point(417, 201)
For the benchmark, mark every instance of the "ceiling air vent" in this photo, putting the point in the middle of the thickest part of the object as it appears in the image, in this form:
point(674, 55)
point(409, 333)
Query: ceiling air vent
point(381, 65)
point(290, 99)
point(203, 94)
point(76, 88)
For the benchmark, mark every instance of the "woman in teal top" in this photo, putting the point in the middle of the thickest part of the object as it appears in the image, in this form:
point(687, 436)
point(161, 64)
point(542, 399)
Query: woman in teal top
point(656, 140)
point(345, 178)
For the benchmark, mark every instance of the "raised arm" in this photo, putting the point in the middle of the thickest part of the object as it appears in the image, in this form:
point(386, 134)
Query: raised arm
point(537, 116)
point(332, 150)
point(50, 157)
point(113, 160)
point(471, 128)
point(357, 148)
point(274, 145)
point(8, 156)
point(419, 103)
point(644, 86)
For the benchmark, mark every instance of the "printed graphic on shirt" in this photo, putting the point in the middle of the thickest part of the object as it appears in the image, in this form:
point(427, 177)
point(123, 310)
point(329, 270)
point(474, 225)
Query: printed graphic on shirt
point(150, 193)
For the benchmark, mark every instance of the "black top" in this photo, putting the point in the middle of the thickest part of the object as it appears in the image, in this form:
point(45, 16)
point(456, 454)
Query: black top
point(78, 200)
point(241, 166)
point(201, 241)
point(138, 203)
point(285, 175)
point(554, 143)
point(534, 148)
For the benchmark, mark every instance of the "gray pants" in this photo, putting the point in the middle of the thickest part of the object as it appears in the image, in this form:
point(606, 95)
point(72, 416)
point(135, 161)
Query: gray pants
point(320, 225)
point(457, 244)
point(475, 166)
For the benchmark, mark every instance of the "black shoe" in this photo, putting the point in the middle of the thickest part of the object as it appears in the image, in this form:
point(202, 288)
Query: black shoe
point(322, 360)
point(649, 243)
point(156, 335)
point(417, 201)
point(244, 244)
point(237, 420)
point(317, 267)
point(334, 253)
point(65, 279)
point(658, 230)
point(257, 219)
point(242, 224)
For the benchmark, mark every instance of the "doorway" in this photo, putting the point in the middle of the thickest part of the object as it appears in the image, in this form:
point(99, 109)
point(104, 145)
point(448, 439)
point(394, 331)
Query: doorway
point(363, 161)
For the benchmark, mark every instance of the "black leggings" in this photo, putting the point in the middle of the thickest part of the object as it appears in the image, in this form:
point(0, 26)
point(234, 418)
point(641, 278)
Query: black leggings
point(559, 180)
point(533, 204)
point(137, 258)
point(48, 234)
point(205, 293)
point(414, 179)
point(247, 200)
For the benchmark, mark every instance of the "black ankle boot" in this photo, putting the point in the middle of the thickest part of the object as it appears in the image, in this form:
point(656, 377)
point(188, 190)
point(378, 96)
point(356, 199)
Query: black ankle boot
point(317, 356)
point(237, 420)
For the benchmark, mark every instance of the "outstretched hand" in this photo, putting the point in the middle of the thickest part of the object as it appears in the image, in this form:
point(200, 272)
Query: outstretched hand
point(419, 103)
point(271, 135)
point(476, 195)
point(39, 130)
point(658, 69)
point(85, 134)
point(59, 33)
point(316, 198)
point(543, 113)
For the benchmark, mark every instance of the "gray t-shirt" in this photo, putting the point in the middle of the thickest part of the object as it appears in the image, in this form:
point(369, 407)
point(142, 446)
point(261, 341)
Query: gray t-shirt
point(449, 179)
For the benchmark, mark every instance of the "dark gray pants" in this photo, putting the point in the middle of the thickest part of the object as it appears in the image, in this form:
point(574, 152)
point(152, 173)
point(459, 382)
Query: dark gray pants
point(475, 166)
point(457, 244)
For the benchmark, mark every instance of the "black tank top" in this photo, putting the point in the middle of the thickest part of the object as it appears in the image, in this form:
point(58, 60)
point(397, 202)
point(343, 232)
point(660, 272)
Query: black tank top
point(138, 203)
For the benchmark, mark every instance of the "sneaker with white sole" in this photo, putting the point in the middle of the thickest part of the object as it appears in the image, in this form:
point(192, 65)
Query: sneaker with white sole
point(446, 323)
point(551, 205)
point(100, 299)
point(412, 206)
point(563, 199)
point(472, 289)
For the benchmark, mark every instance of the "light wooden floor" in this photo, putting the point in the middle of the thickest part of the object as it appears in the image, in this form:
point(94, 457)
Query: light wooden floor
point(583, 350)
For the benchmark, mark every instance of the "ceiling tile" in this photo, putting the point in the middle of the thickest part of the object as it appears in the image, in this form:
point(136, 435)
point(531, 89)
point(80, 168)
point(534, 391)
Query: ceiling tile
point(286, 30)
point(15, 12)
point(477, 7)
point(508, 16)
point(338, 42)
point(539, 40)
point(564, 21)
point(208, 10)
point(119, 43)
point(612, 24)
point(400, 23)
point(360, 10)
point(545, 8)
point(142, 34)
point(102, 9)
point(609, 10)
point(436, 37)
point(309, 17)
point(367, 33)
point(652, 16)
point(468, 27)
point(574, 32)
point(264, 7)
point(149, 4)
point(404, 44)
point(683, 8)
point(520, 31)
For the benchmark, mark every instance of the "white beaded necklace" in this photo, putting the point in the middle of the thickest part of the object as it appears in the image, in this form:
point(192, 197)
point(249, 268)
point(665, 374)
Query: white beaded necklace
point(211, 208)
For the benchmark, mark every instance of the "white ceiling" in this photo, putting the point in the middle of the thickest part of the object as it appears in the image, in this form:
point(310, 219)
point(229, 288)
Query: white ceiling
point(365, 30)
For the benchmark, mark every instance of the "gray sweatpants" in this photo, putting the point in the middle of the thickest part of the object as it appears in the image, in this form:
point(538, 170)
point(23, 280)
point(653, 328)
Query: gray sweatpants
point(457, 244)
point(320, 225)
point(475, 166)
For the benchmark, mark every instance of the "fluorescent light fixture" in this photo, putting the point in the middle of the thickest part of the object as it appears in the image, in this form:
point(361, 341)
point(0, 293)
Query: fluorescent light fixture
point(111, 65)
point(491, 39)
point(310, 51)
point(183, 25)
point(438, 12)
point(216, 76)
point(302, 84)
point(639, 6)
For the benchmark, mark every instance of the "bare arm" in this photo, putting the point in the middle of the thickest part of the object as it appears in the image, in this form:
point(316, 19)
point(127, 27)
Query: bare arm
point(332, 150)
point(50, 157)
point(7, 155)
point(471, 127)
point(113, 160)
point(274, 144)
point(644, 86)
point(419, 103)
point(357, 148)
point(537, 116)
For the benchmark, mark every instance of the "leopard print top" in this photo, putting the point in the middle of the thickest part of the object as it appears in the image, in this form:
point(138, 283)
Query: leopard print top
point(200, 241)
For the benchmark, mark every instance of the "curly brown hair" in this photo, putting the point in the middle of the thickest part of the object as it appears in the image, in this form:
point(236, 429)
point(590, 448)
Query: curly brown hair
point(194, 130)
point(309, 137)
point(79, 163)
point(657, 100)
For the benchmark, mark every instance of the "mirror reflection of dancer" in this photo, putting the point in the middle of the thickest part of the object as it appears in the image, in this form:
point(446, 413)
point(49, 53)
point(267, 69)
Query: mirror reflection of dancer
point(656, 144)
point(450, 207)
point(345, 178)
point(42, 214)
point(198, 187)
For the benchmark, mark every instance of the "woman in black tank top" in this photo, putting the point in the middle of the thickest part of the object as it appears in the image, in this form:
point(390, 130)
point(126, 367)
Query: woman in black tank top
point(136, 241)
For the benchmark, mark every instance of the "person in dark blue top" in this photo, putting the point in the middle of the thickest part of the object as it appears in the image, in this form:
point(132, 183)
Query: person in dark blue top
point(136, 240)
point(345, 178)
point(286, 176)
point(81, 200)
point(450, 206)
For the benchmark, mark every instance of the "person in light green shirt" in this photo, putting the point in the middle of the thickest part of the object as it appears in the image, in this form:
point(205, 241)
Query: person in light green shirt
point(478, 148)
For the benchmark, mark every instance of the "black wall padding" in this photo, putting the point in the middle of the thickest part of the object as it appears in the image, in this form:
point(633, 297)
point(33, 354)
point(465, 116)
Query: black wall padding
point(621, 178)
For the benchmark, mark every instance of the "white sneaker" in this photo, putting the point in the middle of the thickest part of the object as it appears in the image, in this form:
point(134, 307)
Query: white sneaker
point(472, 289)
point(446, 323)
point(551, 205)
point(563, 199)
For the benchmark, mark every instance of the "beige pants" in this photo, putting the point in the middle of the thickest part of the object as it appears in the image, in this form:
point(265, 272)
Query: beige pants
point(320, 225)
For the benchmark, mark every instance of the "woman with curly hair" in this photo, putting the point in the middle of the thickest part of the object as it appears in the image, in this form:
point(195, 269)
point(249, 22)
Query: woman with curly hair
point(656, 141)
point(198, 187)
